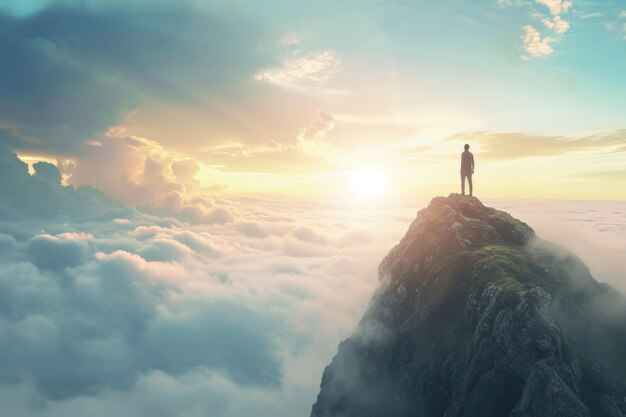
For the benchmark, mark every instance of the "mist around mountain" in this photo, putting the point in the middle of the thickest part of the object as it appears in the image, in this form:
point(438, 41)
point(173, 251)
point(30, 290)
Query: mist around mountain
point(476, 316)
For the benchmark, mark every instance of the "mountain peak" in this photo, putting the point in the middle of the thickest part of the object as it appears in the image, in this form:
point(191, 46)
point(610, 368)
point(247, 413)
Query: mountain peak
point(467, 215)
point(476, 316)
point(448, 225)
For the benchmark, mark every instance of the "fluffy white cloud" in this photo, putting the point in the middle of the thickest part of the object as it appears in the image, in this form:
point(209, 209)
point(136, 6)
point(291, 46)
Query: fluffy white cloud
point(556, 7)
point(535, 44)
point(557, 24)
point(538, 45)
point(315, 68)
point(96, 315)
point(139, 172)
point(132, 169)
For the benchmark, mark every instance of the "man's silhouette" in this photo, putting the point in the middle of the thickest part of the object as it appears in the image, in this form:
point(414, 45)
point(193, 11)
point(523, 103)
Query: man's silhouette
point(467, 169)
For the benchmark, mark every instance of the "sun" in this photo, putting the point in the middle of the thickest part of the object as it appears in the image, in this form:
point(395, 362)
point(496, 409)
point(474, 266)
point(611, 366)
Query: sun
point(368, 182)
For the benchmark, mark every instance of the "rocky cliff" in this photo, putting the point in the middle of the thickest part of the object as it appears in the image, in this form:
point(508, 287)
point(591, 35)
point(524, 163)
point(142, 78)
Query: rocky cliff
point(475, 316)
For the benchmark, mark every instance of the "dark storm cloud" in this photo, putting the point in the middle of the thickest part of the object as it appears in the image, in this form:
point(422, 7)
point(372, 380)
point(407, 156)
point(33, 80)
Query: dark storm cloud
point(70, 72)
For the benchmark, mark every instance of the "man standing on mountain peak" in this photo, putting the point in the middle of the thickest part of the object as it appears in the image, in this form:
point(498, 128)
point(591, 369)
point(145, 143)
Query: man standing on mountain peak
point(467, 169)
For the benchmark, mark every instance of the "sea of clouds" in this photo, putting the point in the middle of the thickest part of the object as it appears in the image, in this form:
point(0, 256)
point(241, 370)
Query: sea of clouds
point(109, 310)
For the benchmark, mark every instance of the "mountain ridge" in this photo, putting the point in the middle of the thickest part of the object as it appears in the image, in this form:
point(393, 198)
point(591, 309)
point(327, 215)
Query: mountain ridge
point(476, 316)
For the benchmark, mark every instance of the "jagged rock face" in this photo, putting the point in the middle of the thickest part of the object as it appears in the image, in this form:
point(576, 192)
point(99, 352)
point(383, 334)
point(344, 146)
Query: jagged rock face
point(474, 316)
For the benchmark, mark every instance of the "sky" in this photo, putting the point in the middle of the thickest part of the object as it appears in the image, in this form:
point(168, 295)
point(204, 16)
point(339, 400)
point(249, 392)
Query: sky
point(320, 98)
point(196, 194)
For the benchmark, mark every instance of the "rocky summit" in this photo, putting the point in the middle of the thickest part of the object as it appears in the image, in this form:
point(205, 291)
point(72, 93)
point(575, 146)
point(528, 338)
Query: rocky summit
point(475, 316)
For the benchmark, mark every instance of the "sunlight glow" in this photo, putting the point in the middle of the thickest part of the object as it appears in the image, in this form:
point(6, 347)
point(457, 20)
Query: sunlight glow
point(32, 159)
point(368, 182)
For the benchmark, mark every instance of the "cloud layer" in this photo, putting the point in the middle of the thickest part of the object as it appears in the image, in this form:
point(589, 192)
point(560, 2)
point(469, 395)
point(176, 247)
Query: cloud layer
point(131, 307)
point(130, 313)
point(538, 45)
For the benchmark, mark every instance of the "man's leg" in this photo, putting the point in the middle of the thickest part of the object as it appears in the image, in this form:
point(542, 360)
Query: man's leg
point(469, 181)
point(463, 184)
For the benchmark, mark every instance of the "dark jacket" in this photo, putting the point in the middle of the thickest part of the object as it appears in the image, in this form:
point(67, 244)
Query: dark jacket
point(467, 163)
